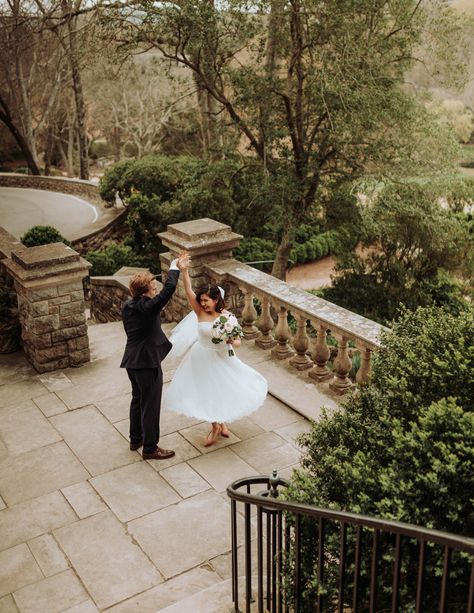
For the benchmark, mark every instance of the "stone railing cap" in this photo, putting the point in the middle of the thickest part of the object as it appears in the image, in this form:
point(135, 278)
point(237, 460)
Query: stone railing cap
point(337, 318)
point(43, 256)
point(200, 234)
point(8, 243)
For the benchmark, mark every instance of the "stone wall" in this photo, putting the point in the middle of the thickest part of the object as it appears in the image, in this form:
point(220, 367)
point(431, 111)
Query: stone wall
point(114, 231)
point(110, 227)
point(75, 187)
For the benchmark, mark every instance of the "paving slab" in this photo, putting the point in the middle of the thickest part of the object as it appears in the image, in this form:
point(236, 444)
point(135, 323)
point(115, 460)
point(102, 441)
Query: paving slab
point(7, 604)
point(274, 414)
point(182, 448)
point(113, 571)
point(39, 472)
point(173, 590)
point(184, 480)
point(15, 367)
point(55, 381)
point(221, 467)
point(53, 594)
point(197, 435)
point(172, 422)
point(134, 490)
point(47, 554)
point(267, 452)
point(23, 428)
point(186, 534)
point(19, 568)
point(28, 520)
point(18, 392)
point(50, 404)
point(245, 428)
point(83, 499)
point(292, 431)
point(89, 392)
point(94, 440)
point(84, 607)
point(116, 408)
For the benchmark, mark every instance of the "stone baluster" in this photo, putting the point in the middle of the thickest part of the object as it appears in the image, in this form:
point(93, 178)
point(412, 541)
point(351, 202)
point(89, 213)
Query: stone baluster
point(320, 355)
point(249, 315)
point(266, 325)
point(363, 374)
point(301, 360)
point(283, 349)
point(341, 369)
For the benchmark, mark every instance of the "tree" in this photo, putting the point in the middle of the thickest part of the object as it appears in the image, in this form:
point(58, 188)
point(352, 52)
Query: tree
point(414, 233)
point(313, 88)
point(30, 57)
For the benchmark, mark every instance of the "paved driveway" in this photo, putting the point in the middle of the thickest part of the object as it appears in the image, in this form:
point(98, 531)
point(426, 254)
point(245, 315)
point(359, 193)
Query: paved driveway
point(21, 208)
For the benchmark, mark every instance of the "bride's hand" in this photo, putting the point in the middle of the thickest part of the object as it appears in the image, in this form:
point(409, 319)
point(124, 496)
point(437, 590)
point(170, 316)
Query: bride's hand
point(183, 261)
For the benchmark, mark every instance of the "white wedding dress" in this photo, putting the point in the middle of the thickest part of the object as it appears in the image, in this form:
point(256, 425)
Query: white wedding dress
point(209, 384)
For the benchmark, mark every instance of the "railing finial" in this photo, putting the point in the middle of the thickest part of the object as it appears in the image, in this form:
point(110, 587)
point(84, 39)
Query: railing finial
point(274, 481)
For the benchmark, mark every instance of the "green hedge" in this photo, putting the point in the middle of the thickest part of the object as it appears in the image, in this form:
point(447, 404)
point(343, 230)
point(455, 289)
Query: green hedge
point(107, 261)
point(43, 235)
point(402, 448)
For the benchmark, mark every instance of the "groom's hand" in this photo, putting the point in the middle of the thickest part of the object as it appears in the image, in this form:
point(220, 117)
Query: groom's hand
point(183, 260)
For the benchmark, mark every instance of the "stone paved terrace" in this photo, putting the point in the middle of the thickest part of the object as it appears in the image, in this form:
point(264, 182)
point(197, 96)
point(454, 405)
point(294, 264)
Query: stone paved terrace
point(86, 525)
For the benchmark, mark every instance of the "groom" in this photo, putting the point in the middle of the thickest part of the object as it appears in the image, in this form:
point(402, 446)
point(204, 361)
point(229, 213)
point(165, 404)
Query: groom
point(146, 347)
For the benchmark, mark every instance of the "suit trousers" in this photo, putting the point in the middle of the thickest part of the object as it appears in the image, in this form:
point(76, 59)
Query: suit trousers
point(147, 386)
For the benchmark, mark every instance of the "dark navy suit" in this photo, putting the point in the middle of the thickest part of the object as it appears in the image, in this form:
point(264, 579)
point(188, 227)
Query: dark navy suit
point(146, 347)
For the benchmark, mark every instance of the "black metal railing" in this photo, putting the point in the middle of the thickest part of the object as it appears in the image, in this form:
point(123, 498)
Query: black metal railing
point(302, 558)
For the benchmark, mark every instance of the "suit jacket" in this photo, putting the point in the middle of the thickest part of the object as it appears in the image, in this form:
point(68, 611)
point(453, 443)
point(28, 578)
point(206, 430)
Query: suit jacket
point(147, 344)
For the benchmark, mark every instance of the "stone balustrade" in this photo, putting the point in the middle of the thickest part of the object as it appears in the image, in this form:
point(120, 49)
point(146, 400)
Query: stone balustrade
point(303, 351)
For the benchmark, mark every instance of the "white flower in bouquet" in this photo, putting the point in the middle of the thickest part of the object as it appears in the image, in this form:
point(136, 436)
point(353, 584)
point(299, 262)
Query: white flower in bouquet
point(224, 329)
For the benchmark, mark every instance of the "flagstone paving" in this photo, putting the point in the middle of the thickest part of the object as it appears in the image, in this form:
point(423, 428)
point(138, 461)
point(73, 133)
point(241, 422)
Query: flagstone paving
point(87, 526)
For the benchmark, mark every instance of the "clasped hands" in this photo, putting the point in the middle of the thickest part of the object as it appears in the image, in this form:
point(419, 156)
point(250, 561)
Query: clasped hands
point(183, 261)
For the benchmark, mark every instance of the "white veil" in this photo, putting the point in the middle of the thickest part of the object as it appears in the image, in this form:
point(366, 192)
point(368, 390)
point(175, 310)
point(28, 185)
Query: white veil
point(185, 334)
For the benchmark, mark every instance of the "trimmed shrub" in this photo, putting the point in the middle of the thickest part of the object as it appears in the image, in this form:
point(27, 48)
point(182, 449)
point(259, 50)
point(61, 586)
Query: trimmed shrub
point(43, 235)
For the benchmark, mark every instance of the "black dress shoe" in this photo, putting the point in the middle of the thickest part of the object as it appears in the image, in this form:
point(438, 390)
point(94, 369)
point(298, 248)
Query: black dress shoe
point(135, 446)
point(158, 454)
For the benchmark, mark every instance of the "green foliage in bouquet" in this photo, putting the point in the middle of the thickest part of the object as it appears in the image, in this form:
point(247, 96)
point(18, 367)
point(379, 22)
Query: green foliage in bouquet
point(402, 448)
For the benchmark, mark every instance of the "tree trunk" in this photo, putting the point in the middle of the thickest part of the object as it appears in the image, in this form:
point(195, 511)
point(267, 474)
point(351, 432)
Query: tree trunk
point(78, 93)
point(280, 265)
point(6, 118)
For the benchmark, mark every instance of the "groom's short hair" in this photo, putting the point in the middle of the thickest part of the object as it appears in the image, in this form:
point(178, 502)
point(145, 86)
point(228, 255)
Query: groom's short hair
point(140, 283)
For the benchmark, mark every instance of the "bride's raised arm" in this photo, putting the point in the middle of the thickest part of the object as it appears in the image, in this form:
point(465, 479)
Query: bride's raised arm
point(190, 295)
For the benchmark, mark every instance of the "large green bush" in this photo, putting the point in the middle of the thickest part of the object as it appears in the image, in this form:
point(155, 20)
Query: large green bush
point(43, 235)
point(107, 261)
point(402, 448)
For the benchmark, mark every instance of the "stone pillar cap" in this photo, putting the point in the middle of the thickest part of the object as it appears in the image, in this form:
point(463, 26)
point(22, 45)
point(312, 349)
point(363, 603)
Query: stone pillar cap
point(46, 265)
point(200, 236)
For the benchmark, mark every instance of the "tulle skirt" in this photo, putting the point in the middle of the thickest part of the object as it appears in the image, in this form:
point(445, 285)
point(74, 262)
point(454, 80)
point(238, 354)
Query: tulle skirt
point(212, 386)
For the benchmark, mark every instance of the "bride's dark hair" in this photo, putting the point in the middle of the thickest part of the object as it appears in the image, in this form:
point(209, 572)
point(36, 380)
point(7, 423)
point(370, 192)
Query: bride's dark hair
point(213, 292)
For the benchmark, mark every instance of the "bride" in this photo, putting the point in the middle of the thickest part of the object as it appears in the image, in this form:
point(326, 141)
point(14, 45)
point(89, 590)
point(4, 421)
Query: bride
point(210, 384)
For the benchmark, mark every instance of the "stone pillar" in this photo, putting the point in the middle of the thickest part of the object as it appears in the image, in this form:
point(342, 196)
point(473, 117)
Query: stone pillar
point(207, 241)
point(48, 281)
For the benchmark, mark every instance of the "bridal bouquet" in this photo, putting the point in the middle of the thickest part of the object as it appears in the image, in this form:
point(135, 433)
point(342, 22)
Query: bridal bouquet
point(226, 328)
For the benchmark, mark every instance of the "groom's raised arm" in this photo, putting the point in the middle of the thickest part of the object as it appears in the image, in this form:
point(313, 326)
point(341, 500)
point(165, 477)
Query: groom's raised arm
point(159, 302)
